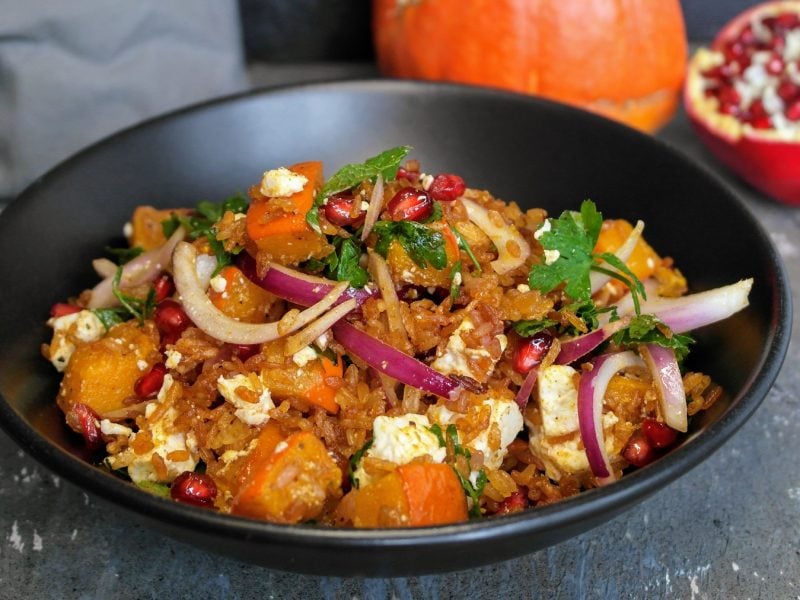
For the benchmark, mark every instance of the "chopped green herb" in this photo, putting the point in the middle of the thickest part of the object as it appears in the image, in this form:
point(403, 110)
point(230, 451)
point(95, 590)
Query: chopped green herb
point(386, 163)
point(436, 213)
point(649, 329)
point(423, 244)
point(112, 316)
point(124, 255)
point(532, 327)
point(436, 430)
point(139, 308)
point(151, 487)
point(462, 243)
point(473, 491)
point(352, 465)
point(343, 264)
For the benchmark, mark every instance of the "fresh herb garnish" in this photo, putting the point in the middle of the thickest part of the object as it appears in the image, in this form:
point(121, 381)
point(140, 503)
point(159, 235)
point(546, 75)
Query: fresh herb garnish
point(649, 329)
point(352, 464)
point(386, 164)
point(201, 224)
point(531, 327)
point(436, 213)
point(151, 487)
point(124, 255)
point(462, 243)
point(436, 430)
point(571, 238)
point(343, 263)
point(138, 308)
point(473, 491)
point(423, 244)
point(112, 316)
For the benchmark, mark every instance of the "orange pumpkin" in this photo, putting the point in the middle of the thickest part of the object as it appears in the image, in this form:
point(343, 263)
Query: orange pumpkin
point(624, 59)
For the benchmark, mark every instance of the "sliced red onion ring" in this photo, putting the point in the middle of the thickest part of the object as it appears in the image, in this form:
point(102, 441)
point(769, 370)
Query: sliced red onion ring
point(375, 207)
point(104, 267)
point(142, 269)
point(591, 392)
point(296, 287)
point(667, 376)
point(623, 253)
point(524, 393)
point(217, 324)
point(577, 347)
point(391, 362)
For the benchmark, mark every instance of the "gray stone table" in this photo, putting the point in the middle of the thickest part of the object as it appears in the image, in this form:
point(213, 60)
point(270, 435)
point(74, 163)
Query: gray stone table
point(728, 529)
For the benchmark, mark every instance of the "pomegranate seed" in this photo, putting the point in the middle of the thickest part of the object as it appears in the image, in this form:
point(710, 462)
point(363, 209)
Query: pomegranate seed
point(447, 187)
point(170, 318)
point(786, 21)
point(148, 385)
point(164, 287)
point(734, 51)
point(410, 204)
point(83, 419)
point(747, 37)
point(729, 109)
point(639, 451)
point(757, 109)
point(788, 90)
point(531, 351)
point(339, 211)
point(775, 65)
point(793, 111)
point(245, 351)
point(61, 309)
point(515, 502)
point(660, 435)
point(403, 173)
point(197, 489)
point(761, 123)
point(729, 95)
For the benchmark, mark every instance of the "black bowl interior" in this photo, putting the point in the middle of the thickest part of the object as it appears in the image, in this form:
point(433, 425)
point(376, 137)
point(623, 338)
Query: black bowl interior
point(533, 152)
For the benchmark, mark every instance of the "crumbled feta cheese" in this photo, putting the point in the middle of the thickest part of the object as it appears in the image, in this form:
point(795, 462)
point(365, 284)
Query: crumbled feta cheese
point(218, 283)
point(82, 326)
point(426, 180)
point(304, 356)
point(551, 256)
point(282, 183)
point(111, 428)
point(457, 279)
point(280, 447)
point(141, 364)
point(205, 266)
point(524, 288)
point(543, 228)
point(323, 340)
point(558, 400)
point(173, 359)
point(364, 205)
point(454, 360)
point(165, 442)
point(252, 413)
point(400, 440)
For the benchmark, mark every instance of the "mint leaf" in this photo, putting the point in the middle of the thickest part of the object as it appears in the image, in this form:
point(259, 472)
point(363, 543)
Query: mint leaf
point(348, 268)
point(423, 244)
point(386, 164)
point(649, 329)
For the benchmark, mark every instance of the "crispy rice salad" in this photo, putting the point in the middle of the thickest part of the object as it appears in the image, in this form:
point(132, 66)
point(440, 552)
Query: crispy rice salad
point(384, 348)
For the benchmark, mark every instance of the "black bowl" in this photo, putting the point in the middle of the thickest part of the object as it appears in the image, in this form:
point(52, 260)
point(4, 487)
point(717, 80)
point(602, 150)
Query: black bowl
point(535, 152)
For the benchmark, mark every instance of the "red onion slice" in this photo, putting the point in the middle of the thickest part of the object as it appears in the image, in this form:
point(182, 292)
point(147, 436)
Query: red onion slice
point(577, 347)
point(296, 287)
point(217, 324)
point(142, 269)
point(524, 393)
point(667, 376)
point(591, 391)
point(391, 362)
point(623, 253)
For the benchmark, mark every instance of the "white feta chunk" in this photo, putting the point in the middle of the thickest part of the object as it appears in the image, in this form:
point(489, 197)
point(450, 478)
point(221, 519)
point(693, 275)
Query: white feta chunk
point(110, 428)
point(558, 400)
point(282, 183)
point(82, 326)
point(454, 360)
point(304, 356)
point(252, 413)
point(543, 228)
point(173, 359)
point(218, 283)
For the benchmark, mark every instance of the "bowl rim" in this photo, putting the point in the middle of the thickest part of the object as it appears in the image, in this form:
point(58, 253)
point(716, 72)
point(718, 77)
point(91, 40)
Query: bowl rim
point(634, 486)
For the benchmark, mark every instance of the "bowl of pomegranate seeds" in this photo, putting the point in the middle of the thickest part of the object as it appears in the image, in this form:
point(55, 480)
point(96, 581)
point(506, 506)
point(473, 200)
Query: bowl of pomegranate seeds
point(409, 166)
point(742, 95)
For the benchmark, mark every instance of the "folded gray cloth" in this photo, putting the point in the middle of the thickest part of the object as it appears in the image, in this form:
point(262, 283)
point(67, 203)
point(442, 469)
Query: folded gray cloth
point(74, 72)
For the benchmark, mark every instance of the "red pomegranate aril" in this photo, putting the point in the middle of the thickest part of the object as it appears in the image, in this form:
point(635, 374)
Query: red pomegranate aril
point(84, 420)
point(164, 287)
point(148, 385)
point(62, 309)
point(410, 204)
point(403, 173)
point(660, 435)
point(516, 502)
point(245, 351)
point(785, 21)
point(793, 111)
point(734, 51)
point(447, 187)
point(747, 37)
point(757, 109)
point(775, 65)
point(170, 317)
point(639, 451)
point(531, 351)
point(730, 109)
point(788, 91)
point(197, 489)
point(339, 211)
point(729, 95)
point(761, 123)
